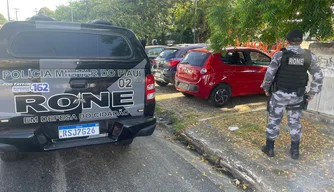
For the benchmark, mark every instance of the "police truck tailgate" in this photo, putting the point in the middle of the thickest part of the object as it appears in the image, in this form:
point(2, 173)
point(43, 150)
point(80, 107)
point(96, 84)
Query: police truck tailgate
point(70, 80)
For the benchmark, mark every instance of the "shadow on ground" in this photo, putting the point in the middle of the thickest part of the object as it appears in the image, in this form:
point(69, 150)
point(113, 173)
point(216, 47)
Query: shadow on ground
point(172, 99)
point(207, 128)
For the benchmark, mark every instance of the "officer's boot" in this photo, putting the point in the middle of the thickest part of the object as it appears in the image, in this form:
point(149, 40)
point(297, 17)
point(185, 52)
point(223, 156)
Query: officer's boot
point(294, 150)
point(269, 148)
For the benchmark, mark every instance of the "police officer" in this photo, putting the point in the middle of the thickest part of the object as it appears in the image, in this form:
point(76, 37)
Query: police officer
point(287, 77)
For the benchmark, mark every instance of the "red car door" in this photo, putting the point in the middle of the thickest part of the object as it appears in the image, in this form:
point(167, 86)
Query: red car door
point(258, 65)
point(237, 73)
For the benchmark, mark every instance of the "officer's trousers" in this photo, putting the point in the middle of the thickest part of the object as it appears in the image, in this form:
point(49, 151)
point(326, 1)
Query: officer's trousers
point(278, 102)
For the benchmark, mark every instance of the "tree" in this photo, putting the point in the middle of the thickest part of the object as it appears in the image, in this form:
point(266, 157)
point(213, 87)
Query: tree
point(153, 18)
point(80, 11)
point(183, 20)
point(3, 20)
point(63, 13)
point(144, 17)
point(46, 11)
point(267, 20)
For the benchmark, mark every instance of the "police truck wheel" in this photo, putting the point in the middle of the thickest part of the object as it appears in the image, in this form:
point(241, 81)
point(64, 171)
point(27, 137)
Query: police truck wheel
point(220, 96)
point(11, 156)
point(187, 95)
point(161, 84)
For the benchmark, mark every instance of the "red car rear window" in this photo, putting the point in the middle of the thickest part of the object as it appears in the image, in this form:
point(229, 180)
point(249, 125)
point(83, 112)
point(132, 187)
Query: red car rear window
point(195, 58)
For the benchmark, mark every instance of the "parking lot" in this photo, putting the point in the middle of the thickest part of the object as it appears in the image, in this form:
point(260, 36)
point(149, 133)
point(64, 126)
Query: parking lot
point(169, 98)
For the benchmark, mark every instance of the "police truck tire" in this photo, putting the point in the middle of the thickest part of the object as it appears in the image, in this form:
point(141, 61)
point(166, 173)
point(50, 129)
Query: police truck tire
point(187, 95)
point(220, 96)
point(161, 84)
point(11, 156)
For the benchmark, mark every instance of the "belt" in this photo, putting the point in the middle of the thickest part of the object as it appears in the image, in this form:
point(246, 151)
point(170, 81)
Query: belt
point(287, 90)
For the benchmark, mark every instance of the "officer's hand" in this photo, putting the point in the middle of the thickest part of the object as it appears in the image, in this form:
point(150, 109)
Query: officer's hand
point(266, 92)
point(309, 98)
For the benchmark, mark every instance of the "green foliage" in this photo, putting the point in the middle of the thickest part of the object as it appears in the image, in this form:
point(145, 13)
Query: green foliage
point(82, 11)
point(183, 20)
point(63, 13)
point(144, 17)
point(222, 22)
point(46, 11)
point(267, 20)
point(3, 20)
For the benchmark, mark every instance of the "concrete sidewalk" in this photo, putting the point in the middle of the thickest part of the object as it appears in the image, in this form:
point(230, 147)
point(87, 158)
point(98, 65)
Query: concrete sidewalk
point(239, 152)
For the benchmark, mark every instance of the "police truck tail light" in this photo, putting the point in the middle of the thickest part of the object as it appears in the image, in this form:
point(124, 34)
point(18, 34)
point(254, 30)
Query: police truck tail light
point(172, 63)
point(150, 88)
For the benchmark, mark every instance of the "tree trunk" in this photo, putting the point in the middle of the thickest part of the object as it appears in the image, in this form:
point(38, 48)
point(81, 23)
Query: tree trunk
point(163, 38)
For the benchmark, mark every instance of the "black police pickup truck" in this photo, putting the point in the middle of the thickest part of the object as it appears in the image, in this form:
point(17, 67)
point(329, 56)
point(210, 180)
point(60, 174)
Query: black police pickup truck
point(65, 85)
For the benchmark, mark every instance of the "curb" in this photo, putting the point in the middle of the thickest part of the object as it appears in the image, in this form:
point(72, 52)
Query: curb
point(318, 117)
point(233, 166)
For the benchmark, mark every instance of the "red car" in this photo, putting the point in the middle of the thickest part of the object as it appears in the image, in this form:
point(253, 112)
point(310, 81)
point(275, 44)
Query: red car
point(219, 76)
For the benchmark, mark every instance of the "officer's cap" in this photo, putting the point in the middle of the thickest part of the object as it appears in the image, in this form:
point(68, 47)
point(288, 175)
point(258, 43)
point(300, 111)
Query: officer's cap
point(295, 36)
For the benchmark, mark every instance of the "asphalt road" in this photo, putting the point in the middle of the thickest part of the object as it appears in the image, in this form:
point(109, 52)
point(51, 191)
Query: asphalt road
point(149, 164)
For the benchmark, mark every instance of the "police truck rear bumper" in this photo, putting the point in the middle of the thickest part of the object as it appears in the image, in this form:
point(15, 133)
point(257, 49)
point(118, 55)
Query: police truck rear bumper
point(34, 139)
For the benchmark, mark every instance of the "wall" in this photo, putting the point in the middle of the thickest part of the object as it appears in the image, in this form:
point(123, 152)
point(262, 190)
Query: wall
point(324, 102)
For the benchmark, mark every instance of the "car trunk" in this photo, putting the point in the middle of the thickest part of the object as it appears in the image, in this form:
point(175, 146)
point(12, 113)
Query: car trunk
point(164, 56)
point(190, 67)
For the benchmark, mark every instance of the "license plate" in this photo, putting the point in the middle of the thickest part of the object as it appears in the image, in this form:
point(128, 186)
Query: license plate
point(183, 86)
point(81, 130)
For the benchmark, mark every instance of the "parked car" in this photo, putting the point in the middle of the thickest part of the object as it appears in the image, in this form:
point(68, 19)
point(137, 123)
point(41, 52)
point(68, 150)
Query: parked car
point(75, 87)
point(164, 66)
point(153, 51)
point(220, 76)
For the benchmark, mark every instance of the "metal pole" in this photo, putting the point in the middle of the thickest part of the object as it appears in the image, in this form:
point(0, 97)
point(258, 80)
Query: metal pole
point(16, 10)
point(195, 21)
point(8, 10)
point(72, 13)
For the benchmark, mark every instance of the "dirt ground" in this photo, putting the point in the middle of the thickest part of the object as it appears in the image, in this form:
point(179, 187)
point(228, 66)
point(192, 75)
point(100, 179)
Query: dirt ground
point(247, 113)
point(169, 98)
point(250, 116)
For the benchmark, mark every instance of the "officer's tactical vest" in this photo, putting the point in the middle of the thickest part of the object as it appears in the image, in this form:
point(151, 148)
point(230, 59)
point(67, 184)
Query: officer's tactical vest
point(292, 73)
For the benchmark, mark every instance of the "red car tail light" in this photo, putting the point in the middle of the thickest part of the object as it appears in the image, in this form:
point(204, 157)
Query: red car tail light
point(150, 88)
point(207, 66)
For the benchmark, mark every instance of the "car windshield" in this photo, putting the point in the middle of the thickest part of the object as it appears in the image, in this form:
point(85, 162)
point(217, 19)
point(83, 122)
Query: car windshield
point(168, 53)
point(153, 52)
point(195, 58)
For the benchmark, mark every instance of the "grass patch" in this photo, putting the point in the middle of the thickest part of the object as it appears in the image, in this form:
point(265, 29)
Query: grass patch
point(172, 118)
point(252, 133)
point(252, 130)
point(158, 108)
